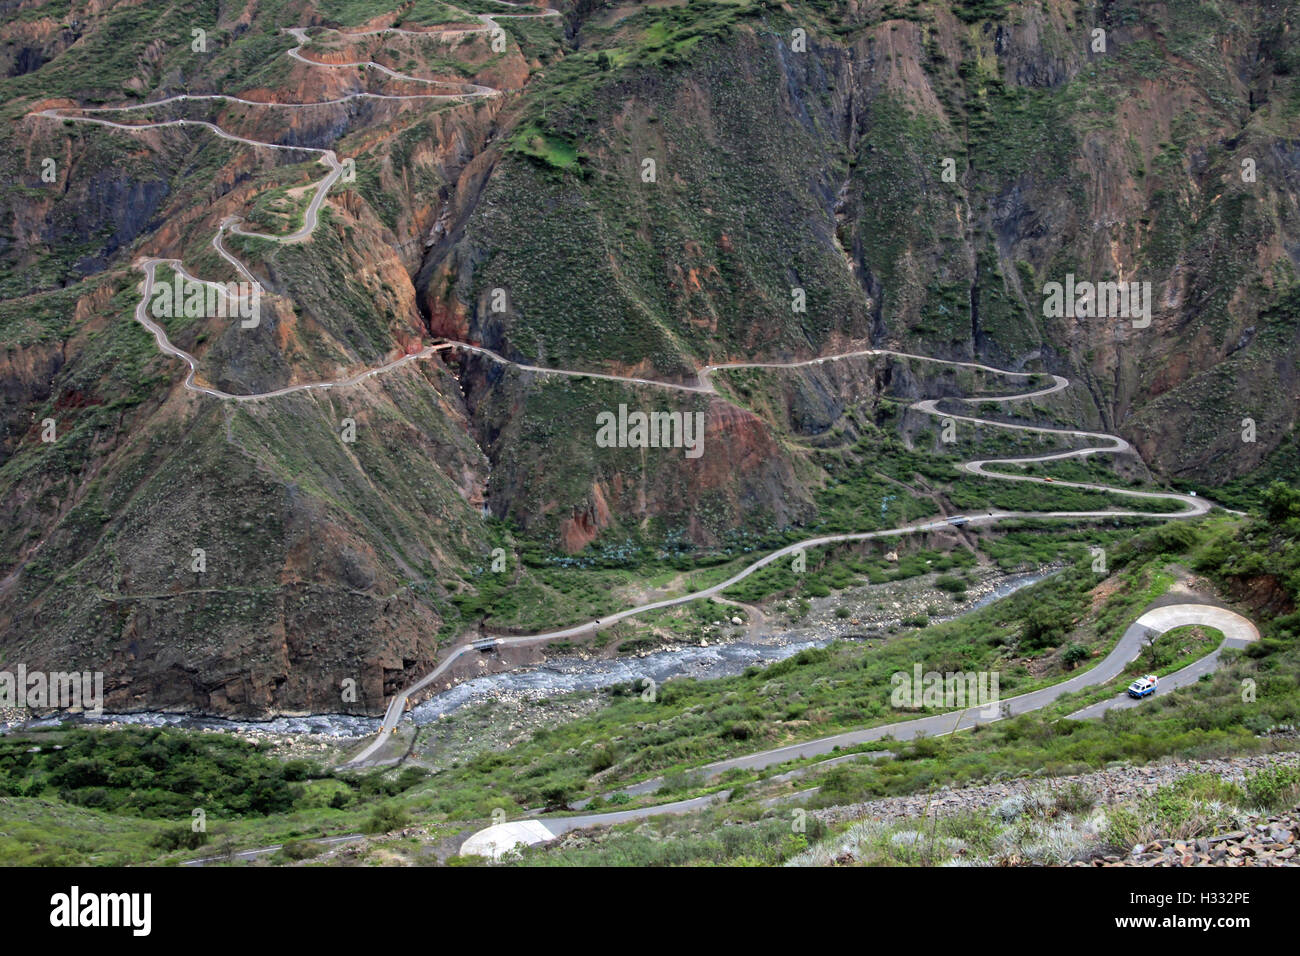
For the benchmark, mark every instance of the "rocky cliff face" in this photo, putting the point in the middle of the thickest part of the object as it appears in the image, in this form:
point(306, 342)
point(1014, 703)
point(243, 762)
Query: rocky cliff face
point(659, 188)
point(247, 557)
point(923, 180)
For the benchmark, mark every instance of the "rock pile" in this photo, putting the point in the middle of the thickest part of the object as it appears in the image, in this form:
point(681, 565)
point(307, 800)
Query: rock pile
point(1264, 841)
point(1115, 785)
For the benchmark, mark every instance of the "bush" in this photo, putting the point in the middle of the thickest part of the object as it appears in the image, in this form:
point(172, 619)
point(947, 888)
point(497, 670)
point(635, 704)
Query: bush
point(1073, 655)
point(739, 730)
point(557, 797)
point(602, 758)
point(1075, 798)
point(386, 818)
point(1273, 788)
point(298, 850)
point(1044, 626)
point(1174, 538)
point(177, 838)
point(297, 770)
point(157, 772)
point(1208, 788)
point(1281, 502)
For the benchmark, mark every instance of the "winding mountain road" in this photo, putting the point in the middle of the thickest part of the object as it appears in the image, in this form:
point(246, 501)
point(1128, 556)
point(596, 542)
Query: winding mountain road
point(1111, 444)
point(1238, 631)
point(465, 91)
point(497, 840)
point(1192, 506)
point(320, 189)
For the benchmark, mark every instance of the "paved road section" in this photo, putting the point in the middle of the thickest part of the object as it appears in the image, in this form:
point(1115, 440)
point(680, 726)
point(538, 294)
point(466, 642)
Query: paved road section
point(1238, 631)
point(1110, 444)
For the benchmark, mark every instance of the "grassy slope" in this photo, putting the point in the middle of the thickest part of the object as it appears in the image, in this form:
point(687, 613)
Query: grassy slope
point(811, 694)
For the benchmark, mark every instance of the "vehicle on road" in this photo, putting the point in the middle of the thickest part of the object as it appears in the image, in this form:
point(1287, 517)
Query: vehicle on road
point(1143, 686)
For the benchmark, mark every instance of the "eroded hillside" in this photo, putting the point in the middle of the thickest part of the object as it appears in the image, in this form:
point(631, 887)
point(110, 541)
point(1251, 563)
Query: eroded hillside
point(911, 175)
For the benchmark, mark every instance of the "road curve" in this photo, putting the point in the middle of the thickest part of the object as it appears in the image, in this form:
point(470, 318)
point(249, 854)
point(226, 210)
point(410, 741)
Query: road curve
point(1238, 632)
point(466, 91)
point(1111, 443)
point(1192, 506)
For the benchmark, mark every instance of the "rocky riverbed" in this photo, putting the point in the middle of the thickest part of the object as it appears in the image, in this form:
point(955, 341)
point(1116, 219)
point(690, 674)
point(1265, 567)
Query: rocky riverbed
point(873, 609)
point(504, 706)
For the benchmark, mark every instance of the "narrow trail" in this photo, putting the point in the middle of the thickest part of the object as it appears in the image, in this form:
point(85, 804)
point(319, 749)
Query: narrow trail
point(465, 92)
point(1111, 444)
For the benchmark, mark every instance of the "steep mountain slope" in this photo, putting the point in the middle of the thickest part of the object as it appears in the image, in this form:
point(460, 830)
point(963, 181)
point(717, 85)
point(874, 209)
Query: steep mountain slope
point(800, 156)
point(824, 170)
